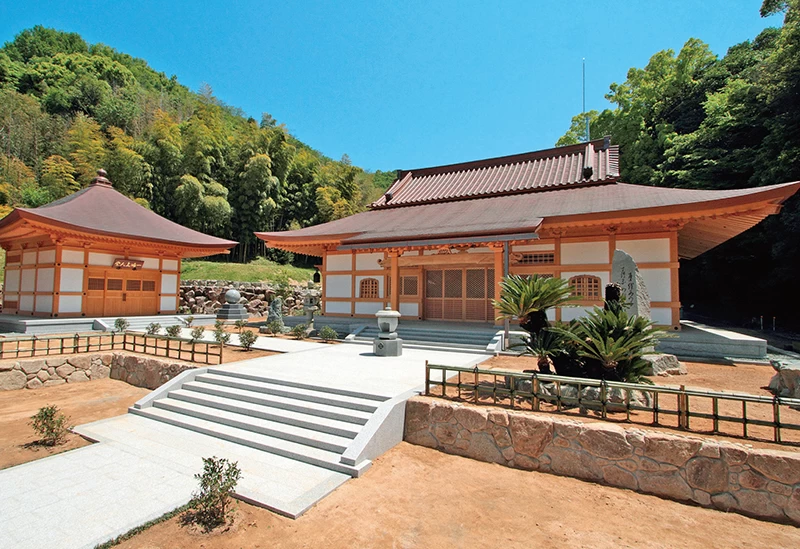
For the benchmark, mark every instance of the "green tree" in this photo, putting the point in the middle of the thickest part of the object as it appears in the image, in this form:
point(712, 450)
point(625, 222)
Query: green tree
point(86, 147)
point(57, 176)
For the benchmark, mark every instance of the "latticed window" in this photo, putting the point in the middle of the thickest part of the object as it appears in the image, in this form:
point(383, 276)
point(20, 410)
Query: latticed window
point(97, 284)
point(585, 287)
point(148, 285)
point(369, 288)
point(409, 286)
point(539, 258)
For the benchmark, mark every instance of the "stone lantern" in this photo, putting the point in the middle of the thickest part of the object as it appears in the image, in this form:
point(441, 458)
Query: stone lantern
point(311, 305)
point(387, 343)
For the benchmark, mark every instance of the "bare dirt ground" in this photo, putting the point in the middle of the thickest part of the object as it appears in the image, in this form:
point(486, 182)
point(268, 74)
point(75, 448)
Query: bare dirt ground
point(82, 402)
point(738, 378)
point(418, 497)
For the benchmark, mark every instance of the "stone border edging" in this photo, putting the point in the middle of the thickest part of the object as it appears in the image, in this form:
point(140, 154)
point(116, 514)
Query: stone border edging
point(146, 372)
point(716, 474)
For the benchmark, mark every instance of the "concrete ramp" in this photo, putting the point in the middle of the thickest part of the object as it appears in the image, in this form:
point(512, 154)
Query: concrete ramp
point(700, 341)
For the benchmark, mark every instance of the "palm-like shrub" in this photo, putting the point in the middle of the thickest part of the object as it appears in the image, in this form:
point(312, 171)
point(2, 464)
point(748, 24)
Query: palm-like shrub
point(544, 345)
point(527, 299)
point(613, 340)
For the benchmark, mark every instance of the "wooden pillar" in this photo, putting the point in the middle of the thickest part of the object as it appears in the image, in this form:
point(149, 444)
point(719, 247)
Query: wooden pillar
point(57, 280)
point(395, 279)
point(499, 273)
point(674, 279)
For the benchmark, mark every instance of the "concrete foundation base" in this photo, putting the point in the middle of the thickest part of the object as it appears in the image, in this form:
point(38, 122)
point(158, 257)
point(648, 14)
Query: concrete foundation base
point(387, 347)
point(235, 311)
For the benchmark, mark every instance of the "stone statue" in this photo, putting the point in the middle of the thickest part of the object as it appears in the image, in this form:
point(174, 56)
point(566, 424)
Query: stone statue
point(275, 310)
point(625, 273)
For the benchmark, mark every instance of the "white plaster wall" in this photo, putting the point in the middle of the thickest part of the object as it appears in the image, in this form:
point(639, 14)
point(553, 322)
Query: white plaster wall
point(368, 262)
point(571, 313)
point(358, 285)
point(533, 248)
point(26, 303)
point(169, 265)
point(339, 262)
point(168, 303)
point(149, 262)
point(28, 278)
point(338, 286)
point(649, 250)
point(104, 260)
point(368, 308)
point(72, 257)
point(661, 316)
point(551, 314)
point(169, 284)
point(12, 280)
point(410, 252)
point(11, 297)
point(69, 304)
point(44, 280)
point(337, 307)
point(71, 280)
point(573, 253)
point(658, 284)
point(44, 303)
point(605, 277)
point(28, 258)
point(409, 309)
point(480, 250)
point(430, 252)
point(47, 256)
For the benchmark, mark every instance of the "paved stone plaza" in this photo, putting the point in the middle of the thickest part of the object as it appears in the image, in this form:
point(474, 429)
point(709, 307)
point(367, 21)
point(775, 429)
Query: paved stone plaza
point(141, 468)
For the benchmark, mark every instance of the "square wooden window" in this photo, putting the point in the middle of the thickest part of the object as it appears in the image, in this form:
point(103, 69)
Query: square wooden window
point(148, 285)
point(133, 285)
point(114, 284)
point(97, 284)
point(409, 286)
point(538, 258)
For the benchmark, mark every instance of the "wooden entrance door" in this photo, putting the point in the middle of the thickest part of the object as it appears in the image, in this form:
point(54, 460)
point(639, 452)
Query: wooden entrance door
point(463, 294)
point(116, 292)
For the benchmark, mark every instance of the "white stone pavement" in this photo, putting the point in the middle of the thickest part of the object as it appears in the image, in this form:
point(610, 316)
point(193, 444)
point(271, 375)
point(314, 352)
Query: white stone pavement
point(142, 469)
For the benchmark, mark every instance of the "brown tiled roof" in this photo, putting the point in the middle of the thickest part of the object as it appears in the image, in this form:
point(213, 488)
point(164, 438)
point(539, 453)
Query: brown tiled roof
point(99, 209)
point(540, 170)
point(510, 214)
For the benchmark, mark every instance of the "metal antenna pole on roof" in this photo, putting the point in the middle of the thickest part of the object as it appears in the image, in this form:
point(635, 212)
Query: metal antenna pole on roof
point(585, 114)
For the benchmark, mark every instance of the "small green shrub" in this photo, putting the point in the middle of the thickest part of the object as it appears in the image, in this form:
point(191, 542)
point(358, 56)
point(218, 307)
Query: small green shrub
point(219, 323)
point(327, 333)
point(153, 328)
point(173, 331)
point(211, 504)
point(275, 327)
point(197, 333)
point(189, 320)
point(241, 324)
point(246, 339)
point(299, 331)
point(121, 325)
point(221, 336)
point(50, 424)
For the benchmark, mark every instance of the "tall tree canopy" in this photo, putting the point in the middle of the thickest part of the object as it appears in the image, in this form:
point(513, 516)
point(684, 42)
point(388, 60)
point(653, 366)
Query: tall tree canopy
point(68, 108)
point(698, 121)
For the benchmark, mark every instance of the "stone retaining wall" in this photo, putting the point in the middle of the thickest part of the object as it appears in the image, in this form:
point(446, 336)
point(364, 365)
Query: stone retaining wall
point(731, 477)
point(136, 370)
point(207, 296)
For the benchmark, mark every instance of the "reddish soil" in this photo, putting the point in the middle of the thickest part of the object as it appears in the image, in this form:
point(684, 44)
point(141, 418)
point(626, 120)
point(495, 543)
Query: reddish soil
point(82, 402)
point(738, 378)
point(417, 497)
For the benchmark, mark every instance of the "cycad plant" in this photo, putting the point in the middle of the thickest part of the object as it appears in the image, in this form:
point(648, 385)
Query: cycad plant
point(615, 341)
point(527, 299)
point(544, 346)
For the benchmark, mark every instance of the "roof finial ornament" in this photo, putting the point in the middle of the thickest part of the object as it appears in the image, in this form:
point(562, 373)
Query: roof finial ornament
point(102, 178)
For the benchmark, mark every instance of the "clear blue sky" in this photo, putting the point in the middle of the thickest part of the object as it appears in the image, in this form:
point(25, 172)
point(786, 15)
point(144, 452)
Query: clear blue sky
point(405, 84)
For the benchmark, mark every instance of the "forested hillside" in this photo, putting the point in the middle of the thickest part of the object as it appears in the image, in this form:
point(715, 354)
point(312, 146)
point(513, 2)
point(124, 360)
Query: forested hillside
point(698, 121)
point(68, 108)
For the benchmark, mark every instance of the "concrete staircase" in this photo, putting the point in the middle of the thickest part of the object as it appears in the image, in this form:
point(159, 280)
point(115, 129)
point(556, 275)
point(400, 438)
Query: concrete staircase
point(140, 323)
point(312, 424)
point(474, 339)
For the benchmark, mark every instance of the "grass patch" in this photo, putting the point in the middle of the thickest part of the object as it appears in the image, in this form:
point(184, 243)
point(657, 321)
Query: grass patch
point(258, 270)
point(133, 531)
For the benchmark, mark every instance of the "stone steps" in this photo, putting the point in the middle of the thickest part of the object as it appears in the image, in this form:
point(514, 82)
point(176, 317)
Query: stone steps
point(315, 425)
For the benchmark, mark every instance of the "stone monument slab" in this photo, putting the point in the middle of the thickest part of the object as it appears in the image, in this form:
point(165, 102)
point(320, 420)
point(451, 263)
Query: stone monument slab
point(625, 272)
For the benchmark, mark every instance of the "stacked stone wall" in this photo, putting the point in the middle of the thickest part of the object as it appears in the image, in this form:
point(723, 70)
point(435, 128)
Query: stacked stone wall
point(207, 296)
point(712, 473)
point(140, 371)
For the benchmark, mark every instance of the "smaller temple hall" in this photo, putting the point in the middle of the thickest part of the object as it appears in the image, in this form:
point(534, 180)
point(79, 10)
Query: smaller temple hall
point(96, 253)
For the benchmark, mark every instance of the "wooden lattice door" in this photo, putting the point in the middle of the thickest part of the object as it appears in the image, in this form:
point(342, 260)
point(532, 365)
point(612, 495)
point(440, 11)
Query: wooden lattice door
point(459, 294)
